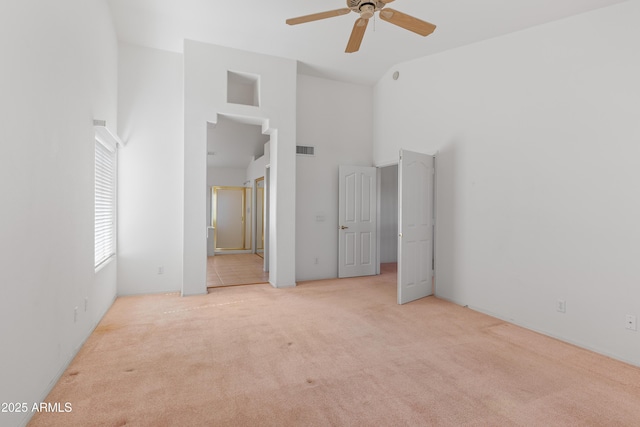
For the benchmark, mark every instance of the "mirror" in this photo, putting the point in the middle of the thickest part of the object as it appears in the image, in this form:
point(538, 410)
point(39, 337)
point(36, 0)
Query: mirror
point(260, 216)
point(231, 206)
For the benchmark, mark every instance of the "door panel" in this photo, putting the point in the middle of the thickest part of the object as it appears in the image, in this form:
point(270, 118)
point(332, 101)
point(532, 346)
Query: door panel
point(350, 197)
point(350, 249)
point(415, 224)
point(357, 221)
point(365, 244)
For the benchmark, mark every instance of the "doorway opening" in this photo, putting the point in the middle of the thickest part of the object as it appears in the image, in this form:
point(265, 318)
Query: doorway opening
point(238, 154)
point(406, 223)
point(388, 219)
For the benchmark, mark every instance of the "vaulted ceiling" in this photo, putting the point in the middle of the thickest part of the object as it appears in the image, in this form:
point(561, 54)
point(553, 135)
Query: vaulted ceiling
point(259, 26)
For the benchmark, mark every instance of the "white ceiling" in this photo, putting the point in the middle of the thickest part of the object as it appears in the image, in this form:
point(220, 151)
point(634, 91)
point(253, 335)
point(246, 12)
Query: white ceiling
point(259, 26)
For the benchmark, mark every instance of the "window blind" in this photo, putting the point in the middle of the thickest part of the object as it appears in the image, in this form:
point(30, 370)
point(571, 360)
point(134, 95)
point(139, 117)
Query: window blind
point(105, 200)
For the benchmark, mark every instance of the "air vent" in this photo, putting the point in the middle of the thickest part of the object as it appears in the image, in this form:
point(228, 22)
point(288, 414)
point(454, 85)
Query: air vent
point(302, 150)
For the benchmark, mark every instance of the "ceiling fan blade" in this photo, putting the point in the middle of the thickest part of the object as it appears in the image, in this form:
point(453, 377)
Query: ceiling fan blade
point(407, 22)
point(356, 35)
point(386, 1)
point(318, 16)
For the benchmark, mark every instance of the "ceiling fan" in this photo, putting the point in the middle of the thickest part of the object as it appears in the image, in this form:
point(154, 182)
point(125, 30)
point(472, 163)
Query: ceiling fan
point(367, 9)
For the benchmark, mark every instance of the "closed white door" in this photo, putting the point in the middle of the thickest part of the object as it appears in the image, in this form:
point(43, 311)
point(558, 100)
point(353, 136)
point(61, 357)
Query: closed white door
point(415, 225)
point(357, 221)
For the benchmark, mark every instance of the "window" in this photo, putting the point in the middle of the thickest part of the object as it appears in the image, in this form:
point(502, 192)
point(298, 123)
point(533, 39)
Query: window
point(105, 202)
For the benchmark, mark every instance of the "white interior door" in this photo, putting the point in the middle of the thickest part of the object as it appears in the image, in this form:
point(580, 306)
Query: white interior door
point(357, 225)
point(415, 225)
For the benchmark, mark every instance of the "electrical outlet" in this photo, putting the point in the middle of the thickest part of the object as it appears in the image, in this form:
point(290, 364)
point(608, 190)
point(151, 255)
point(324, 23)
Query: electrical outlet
point(316, 261)
point(561, 306)
point(75, 314)
point(161, 270)
point(631, 322)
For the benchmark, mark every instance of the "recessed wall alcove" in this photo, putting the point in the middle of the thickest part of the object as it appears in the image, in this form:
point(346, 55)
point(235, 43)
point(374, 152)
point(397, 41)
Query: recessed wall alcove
point(243, 88)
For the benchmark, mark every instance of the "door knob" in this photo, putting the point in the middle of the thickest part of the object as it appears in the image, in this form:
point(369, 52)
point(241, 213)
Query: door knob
point(342, 227)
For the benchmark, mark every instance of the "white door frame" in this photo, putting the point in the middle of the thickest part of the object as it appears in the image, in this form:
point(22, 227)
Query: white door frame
point(267, 216)
point(379, 166)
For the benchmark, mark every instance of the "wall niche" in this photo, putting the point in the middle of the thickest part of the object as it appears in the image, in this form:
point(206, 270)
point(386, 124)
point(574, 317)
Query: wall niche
point(243, 88)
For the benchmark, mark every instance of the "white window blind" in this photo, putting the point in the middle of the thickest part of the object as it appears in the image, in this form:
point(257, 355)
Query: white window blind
point(105, 203)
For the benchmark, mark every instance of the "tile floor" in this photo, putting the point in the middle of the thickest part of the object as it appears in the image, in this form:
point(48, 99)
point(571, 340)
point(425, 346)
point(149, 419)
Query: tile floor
point(235, 269)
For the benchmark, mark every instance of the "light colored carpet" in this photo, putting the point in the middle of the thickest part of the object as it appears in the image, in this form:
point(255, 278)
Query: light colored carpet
point(332, 353)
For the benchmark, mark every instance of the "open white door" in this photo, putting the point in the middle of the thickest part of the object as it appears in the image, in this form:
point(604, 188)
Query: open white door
point(357, 225)
point(415, 225)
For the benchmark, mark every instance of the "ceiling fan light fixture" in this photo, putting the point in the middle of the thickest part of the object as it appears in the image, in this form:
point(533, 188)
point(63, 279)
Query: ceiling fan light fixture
point(367, 10)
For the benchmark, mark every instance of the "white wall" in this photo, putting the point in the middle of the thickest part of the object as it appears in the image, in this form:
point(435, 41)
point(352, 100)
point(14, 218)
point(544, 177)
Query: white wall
point(228, 177)
point(257, 166)
point(336, 118)
point(206, 67)
point(58, 73)
point(388, 217)
point(537, 172)
point(150, 184)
